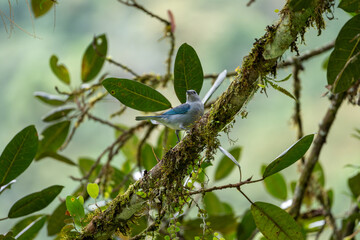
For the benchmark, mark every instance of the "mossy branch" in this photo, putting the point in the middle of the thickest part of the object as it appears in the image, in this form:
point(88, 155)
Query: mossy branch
point(173, 167)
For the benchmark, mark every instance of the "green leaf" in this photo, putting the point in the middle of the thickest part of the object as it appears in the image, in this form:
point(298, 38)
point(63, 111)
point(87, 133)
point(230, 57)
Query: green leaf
point(343, 67)
point(188, 73)
point(213, 205)
point(49, 99)
point(93, 190)
point(225, 165)
point(350, 5)
point(94, 59)
point(275, 185)
point(40, 7)
point(75, 207)
point(53, 137)
point(289, 156)
point(354, 185)
point(136, 95)
point(20, 225)
point(30, 227)
point(284, 79)
point(282, 90)
point(58, 157)
point(275, 223)
point(147, 157)
point(7, 186)
point(57, 113)
point(59, 70)
point(246, 227)
point(18, 154)
point(298, 5)
point(57, 220)
point(34, 202)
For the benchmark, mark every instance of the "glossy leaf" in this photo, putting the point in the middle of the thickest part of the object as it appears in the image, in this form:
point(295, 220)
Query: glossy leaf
point(59, 70)
point(49, 99)
point(350, 5)
point(57, 156)
point(93, 59)
point(34, 202)
point(225, 165)
point(298, 5)
point(136, 95)
point(92, 190)
point(40, 7)
point(18, 154)
point(289, 156)
point(343, 67)
point(56, 219)
point(354, 185)
point(188, 73)
point(275, 223)
point(246, 227)
point(75, 207)
point(29, 227)
point(147, 157)
point(276, 185)
point(57, 113)
point(53, 137)
point(7, 186)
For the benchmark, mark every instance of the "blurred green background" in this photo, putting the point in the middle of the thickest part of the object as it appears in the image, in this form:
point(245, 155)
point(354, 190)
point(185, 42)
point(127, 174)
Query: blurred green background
point(222, 32)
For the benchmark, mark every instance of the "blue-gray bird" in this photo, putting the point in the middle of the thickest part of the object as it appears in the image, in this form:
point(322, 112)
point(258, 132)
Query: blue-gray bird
point(181, 117)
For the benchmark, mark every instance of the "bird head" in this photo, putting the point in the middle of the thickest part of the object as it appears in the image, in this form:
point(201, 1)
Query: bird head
point(192, 96)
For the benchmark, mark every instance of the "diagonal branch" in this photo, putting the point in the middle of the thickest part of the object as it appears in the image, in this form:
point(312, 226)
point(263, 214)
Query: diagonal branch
point(173, 167)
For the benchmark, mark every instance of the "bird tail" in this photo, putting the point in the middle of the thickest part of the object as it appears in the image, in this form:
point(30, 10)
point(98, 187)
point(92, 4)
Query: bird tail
point(140, 118)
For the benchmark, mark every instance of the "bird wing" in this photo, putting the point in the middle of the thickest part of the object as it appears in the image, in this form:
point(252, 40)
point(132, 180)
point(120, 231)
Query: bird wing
point(181, 109)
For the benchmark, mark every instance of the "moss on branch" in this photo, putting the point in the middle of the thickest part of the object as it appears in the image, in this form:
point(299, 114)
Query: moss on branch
point(165, 180)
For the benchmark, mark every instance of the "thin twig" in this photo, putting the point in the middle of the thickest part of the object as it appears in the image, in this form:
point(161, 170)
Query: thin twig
point(111, 60)
point(297, 93)
point(231, 185)
point(117, 128)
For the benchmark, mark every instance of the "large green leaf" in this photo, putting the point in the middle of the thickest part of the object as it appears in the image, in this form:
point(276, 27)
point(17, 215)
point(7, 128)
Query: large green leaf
point(94, 59)
point(188, 73)
point(136, 95)
point(350, 5)
point(75, 207)
point(225, 165)
point(57, 219)
point(49, 99)
point(28, 228)
point(276, 185)
point(275, 223)
point(343, 67)
point(53, 137)
point(59, 70)
point(40, 7)
point(354, 185)
point(246, 227)
point(18, 154)
point(34, 202)
point(214, 206)
point(289, 156)
point(57, 113)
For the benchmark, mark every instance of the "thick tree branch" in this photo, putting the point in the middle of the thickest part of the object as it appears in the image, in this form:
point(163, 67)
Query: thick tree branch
point(173, 167)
